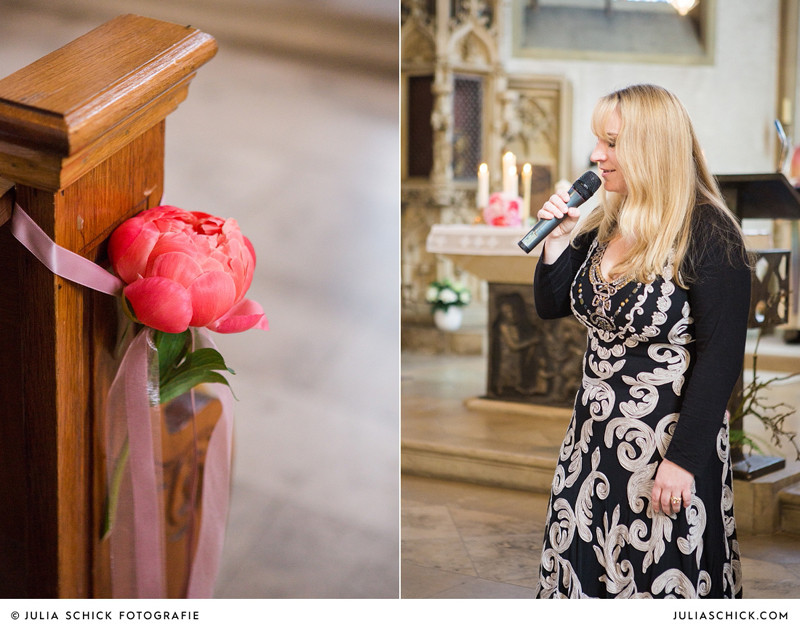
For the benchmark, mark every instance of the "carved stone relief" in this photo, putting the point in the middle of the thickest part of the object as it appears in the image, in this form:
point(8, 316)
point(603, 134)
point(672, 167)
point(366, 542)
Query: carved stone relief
point(530, 359)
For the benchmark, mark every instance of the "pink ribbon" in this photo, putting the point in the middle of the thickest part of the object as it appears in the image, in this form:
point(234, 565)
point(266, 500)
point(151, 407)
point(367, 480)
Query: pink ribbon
point(134, 421)
point(215, 497)
point(59, 260)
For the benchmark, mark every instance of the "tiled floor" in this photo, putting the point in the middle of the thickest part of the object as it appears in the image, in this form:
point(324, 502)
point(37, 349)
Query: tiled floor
point(468, 541)
point(462, 540)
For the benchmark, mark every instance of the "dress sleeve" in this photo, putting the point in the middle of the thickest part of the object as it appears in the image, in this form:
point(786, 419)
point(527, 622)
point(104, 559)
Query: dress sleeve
point(719, 299)
point(552, 282)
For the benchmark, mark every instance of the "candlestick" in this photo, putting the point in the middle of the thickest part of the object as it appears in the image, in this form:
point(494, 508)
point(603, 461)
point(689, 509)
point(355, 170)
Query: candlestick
point(526, 193)
point(483, 186)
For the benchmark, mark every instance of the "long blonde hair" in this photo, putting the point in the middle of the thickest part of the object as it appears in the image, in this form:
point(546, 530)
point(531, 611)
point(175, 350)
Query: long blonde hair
point(666, 176)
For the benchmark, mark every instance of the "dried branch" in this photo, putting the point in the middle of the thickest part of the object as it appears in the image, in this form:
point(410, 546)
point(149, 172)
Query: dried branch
point(773, 416)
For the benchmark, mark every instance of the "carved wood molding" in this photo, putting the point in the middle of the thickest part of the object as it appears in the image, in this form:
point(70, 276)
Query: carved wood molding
point(54, 128)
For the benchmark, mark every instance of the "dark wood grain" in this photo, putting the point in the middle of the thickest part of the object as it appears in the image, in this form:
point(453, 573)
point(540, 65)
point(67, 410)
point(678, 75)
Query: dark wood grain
point(89, 121)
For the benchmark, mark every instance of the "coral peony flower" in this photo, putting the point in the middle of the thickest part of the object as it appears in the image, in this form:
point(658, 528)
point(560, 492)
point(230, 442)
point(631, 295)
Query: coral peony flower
point(503, 210)
point(186, 269)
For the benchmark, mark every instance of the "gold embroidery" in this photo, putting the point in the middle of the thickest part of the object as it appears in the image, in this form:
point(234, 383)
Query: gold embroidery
point(603, 291)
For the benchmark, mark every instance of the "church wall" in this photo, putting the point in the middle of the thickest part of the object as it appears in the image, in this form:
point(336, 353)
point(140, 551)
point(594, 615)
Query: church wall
point(732, 102)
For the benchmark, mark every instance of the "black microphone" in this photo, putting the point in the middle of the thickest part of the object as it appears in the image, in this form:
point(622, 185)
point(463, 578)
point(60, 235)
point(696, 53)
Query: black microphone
point(580, 192)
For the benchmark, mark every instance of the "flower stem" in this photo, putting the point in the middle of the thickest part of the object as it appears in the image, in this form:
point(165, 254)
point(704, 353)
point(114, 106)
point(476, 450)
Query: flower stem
point(113, 492)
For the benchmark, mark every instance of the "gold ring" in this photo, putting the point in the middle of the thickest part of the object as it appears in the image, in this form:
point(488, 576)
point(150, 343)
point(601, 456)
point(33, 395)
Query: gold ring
point(676, 500)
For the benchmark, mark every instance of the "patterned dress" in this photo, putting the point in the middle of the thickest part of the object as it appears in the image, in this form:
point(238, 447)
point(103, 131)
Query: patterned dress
point(660, 365)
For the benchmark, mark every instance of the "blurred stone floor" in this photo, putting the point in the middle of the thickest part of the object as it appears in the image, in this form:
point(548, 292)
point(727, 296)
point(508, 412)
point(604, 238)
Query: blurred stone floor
point(304, 154)
point(462, 540)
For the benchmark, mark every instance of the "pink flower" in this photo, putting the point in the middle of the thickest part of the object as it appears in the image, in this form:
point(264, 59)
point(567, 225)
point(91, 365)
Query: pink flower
point(186, 269)
point(502, 210)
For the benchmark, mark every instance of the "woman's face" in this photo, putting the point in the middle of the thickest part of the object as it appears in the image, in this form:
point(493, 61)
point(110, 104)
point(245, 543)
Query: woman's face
point(604, 154)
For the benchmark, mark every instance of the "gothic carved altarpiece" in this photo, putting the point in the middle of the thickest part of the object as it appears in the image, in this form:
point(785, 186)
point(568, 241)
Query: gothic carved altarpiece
point(460, 108)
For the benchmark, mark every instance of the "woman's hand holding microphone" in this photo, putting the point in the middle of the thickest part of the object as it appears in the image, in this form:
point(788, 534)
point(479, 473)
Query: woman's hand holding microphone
point(558, 240)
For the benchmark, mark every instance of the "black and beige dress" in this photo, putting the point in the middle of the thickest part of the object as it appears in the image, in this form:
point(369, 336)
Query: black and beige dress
point(660, 364)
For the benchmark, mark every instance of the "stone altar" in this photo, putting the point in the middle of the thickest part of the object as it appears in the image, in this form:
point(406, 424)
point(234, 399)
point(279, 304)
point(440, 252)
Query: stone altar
point(529, 360)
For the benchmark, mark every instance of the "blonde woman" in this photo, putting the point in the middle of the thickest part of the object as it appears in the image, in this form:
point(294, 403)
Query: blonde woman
point(642, 502)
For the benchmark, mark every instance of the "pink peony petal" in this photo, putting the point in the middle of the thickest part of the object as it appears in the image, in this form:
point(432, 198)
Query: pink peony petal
point(168, 219)
point(123, 236)
point(132, 263)
point(186, 268)
point(160, 303)
point(250, 265)
point(240, 279)
point(209, 263)
point(207, 224)
point(177, 266)
point(250, 248)
point(242, 264)
point(247, 314)
point(213, 294)
point(171, 242)
point(232, 255)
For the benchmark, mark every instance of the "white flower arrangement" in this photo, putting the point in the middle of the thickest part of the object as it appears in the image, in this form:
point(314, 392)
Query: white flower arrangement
point(444, 294)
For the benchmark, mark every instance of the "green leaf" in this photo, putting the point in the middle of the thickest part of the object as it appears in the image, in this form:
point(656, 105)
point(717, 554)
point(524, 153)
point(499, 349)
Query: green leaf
point(171, 350)
point(206, 358)
point(197, 368)
point(187, 380)
point(738, 438)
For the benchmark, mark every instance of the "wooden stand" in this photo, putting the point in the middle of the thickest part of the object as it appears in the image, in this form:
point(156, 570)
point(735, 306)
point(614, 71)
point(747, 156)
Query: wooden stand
point(765, 195)
point(82, 137)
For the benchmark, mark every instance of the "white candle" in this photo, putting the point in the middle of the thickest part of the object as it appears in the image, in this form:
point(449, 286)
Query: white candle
point(526, 193)
point(509, 160)
point(511, 182)
point(483, 186)
point(510, 173)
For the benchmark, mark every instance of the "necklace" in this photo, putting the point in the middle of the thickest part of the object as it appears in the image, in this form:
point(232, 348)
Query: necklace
point(603, 292)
